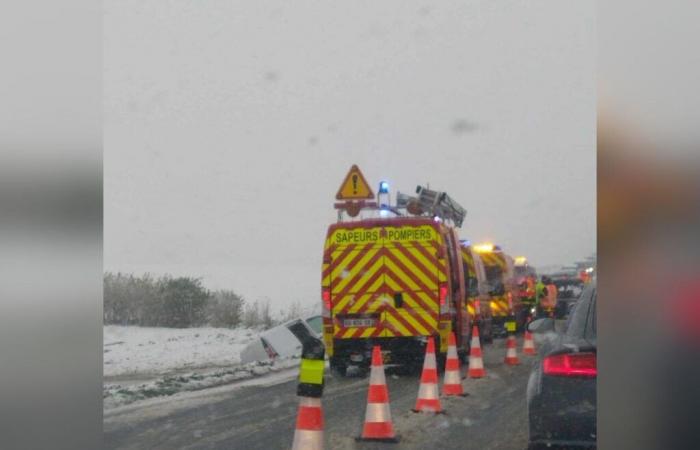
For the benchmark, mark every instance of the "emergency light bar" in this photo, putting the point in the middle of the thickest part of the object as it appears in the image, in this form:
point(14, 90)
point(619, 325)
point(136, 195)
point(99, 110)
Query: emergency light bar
point(484, 248)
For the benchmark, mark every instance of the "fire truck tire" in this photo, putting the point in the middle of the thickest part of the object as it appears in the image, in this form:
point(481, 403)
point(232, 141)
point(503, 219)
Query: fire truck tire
point(338, 367)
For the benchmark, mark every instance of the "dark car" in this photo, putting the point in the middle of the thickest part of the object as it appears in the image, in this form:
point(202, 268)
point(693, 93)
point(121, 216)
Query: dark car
point(561, 391)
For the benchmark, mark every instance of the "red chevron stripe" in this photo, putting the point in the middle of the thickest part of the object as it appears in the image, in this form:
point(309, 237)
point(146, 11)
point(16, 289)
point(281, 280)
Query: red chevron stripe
point(429, 274)
point(407, 272)
point(350, 284)
point(397, 278)
point(398, 317)
point(335, 262)
point(433, 313)
point(431, 257)
point(415, 314)
point(362, 291)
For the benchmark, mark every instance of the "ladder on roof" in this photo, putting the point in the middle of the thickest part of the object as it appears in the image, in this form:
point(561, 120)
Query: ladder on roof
point(432, 203)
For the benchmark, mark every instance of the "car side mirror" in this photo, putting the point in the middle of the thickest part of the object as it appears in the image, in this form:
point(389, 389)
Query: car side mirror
point(542, 325)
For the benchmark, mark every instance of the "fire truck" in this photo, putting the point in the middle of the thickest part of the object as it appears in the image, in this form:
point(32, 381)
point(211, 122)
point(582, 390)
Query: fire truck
point(501, 289)
point(477, 291)
point(392, 275)
point(526, 280)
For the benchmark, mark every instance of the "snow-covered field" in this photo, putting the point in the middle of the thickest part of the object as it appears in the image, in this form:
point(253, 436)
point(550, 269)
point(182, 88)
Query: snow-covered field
point(156, 351)
point(141, 363)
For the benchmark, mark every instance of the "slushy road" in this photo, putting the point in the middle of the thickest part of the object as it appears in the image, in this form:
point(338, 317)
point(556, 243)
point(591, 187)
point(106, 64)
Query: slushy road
point(492, 416)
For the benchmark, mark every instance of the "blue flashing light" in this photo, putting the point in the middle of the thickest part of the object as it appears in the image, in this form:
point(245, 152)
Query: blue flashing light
point(383, 187)
point(384, 212)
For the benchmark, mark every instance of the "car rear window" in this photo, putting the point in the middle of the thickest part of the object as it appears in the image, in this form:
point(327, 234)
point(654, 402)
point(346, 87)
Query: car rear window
point(316, 323)
point(300, 331)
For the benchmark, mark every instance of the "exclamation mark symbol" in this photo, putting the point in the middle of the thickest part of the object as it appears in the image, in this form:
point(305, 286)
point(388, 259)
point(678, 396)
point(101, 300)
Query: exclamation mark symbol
point(354, 184)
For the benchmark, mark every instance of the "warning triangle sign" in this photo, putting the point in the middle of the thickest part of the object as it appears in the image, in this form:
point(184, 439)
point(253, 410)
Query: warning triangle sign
point(354, 186)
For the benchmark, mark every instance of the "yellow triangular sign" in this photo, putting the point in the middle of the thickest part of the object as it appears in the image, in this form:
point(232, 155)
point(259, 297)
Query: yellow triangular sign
point(355, 186)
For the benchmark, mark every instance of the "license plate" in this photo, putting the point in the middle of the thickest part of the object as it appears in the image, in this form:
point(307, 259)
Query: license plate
point(350, 323)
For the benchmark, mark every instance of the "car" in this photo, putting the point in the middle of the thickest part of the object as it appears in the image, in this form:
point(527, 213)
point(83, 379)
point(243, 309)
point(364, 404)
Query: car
point(569, 289)
point(561, 390)
point(282, 341)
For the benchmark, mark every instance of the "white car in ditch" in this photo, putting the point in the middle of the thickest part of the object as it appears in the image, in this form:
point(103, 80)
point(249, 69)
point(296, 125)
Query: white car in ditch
point(282, 341)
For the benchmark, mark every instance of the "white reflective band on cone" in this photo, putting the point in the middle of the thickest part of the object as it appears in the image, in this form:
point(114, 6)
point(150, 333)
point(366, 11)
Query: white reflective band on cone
point(451, 352)
point(377, 412)
point(376, 375)
point(452, 377)
point(428, 391)
point(476, 363)
point(475, 342)
point(310, 401)
point(308, 440)
point(430, 361)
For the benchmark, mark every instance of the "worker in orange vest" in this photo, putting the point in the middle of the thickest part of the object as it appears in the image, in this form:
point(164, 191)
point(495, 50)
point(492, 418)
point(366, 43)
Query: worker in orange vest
point(547, 297)
point(551, 297)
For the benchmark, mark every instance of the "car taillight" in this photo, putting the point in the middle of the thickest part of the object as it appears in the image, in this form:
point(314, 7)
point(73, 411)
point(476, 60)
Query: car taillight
point(326, 296)
point(571, 365)
point(443, 294)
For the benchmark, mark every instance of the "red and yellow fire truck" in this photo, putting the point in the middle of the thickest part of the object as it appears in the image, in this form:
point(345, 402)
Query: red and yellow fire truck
point(392, 278)
point(501, 288)
point(478, 304)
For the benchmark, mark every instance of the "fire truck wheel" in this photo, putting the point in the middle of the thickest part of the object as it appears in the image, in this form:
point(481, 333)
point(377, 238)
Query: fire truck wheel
point(337, 367)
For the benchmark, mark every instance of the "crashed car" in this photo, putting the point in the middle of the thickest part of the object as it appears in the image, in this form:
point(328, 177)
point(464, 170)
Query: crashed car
point(282, 341)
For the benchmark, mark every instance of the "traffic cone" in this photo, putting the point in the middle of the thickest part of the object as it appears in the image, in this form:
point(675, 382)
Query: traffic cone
point(453, 373)
point(378, 425)
point(511, 352)
point(428, 398)
point(476, 360)
point(529, 344)
point(308, 434)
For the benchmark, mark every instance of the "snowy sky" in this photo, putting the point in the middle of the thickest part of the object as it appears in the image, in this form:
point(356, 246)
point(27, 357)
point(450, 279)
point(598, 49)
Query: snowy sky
point(229, 126)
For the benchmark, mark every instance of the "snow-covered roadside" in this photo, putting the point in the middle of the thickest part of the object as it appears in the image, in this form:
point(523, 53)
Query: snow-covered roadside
point(157, 351)
point(115, 394)
point(143, 363)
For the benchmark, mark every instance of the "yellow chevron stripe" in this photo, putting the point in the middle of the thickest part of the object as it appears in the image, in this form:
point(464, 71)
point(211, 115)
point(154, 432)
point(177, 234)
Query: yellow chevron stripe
point(389, 317)
point(407, 280)
point(429, 266)
point(418, 271)
point(341, 266)
point(360, 304)
point(341, 304)
point(353, 271)
point(326, 281)
point(430, 301)
point(415, 308)
point(368, 332)
point(395, 270)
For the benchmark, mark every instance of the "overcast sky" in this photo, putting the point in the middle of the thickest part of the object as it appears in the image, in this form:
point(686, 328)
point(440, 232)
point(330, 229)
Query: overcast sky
point(229, 126)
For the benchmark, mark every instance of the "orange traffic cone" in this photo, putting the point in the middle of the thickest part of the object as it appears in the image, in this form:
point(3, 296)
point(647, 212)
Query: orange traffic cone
point(428, 399)
point(529, 344)
point(309, 430)
point(511, 352)
point(378, 425)
point(453, 373)
point(476, 360)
